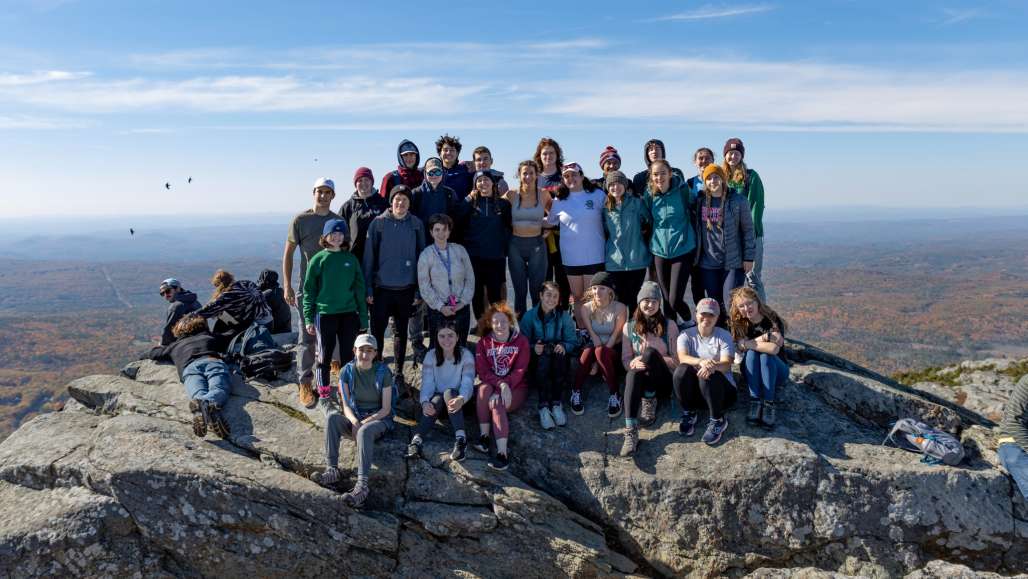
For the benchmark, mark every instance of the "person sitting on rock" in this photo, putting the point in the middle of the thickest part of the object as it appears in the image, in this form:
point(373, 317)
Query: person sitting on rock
point(604, 318)
point(201, 370)
point(236, 305)
point(705, 373)
point(759, 332)
point(647, 354)
point(447, 379)
point(1013, 441)
point(181, 302)
point(550, 332)
point(501, 360)
point(367, 392)
point(282, 316)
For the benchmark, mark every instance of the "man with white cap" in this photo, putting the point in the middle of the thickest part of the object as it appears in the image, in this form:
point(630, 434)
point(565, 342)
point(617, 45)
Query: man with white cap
point(305, 232)
point(182, 302)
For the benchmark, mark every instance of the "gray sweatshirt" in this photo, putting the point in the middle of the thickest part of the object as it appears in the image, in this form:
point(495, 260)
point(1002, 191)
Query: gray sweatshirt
point(391, 252)
point(438, 379)
point(1015, 416)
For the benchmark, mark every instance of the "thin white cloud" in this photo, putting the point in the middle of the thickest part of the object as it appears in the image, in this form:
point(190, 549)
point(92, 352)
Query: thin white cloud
point(712, 12)
point(39, 123)
point(39, 77)
point(957, 15)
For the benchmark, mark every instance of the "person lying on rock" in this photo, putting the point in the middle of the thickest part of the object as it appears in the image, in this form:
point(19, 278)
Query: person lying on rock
point(201, 370)
point(1013, 441)
point(367, 391)
point(447, 379)
point(501, 360)
point(704, 375)
point(759, 333)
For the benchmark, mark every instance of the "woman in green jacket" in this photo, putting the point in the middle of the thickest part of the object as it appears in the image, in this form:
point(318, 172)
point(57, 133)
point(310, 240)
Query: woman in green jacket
point(747, 182)
point(626, 254)
point(673, 243)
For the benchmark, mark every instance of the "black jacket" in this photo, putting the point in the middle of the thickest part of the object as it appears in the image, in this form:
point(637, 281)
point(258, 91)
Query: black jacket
point(185, 302)
point(282, 316)
point(185, 350)
point(358, 214)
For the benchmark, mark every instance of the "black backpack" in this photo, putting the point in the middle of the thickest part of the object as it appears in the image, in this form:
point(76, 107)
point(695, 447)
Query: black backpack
point(266, 364)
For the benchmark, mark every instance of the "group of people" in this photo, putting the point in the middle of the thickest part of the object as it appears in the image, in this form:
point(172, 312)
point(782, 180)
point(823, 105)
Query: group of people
point(599, 268)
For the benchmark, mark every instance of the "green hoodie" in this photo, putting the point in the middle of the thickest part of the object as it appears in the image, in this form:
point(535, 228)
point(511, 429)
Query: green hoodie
point(754, 193)
point(673, 233)
point(334, 284)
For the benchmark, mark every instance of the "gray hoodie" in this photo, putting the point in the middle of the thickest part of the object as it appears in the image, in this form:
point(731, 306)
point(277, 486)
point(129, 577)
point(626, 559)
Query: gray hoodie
point(391, 252)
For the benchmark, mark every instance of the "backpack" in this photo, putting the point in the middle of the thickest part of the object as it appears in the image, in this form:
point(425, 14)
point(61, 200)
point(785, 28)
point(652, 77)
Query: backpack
point(266, 364)
point(936, 445)
point(255, 354)
point(252, 340)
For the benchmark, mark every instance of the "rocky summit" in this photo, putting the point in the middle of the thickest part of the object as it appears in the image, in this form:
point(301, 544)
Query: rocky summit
point(116, 485)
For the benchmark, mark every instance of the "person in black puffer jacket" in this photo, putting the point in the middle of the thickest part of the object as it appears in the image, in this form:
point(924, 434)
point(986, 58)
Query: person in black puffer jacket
point(282, 317)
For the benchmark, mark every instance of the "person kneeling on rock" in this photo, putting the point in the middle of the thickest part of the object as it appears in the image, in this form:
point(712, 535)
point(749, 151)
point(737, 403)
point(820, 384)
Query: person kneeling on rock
point(201, 369)
point(367, 391)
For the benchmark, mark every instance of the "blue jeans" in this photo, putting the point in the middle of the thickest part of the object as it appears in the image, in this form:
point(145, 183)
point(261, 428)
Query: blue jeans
point(764, 372)
point(207, 379)
point(1015, 460)
point(718, 284)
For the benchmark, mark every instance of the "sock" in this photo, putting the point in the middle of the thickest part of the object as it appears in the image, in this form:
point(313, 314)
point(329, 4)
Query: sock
point(460, 434)
point(649, 394)
point(362, 480)
point(632, 422)
point(416, 439)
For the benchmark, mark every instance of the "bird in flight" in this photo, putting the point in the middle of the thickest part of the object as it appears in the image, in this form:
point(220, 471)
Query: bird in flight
point(132, 231)
point(315, 159)
point(190, 180)
point(167, 185)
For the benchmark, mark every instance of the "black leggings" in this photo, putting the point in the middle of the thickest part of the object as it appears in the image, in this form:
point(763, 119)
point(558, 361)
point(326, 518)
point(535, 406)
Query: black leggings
point(332, 329)
point(626, 286)
point(551, 373)
point(555, 272)
point(672, 277)
point(655, 378)
point(395, 303)
point(490, 277)
point(691, 391)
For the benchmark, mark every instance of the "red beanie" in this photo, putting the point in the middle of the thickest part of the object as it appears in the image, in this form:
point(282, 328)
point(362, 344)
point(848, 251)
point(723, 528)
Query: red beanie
point(734, 144)
point(610, 153)
point(362, 172)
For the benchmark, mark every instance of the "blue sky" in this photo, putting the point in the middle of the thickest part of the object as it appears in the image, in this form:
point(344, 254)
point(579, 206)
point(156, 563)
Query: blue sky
point(839, 102)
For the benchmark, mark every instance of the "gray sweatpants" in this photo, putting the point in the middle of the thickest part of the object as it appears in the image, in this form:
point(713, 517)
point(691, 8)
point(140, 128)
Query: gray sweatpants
point(758, 270)
point(336, 425)
point(305, 347)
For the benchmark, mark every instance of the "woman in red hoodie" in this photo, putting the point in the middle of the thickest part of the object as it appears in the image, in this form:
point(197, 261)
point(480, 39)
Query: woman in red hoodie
point(501, 360)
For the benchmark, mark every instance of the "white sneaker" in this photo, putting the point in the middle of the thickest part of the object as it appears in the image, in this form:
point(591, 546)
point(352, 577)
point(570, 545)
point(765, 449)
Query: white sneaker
point(739, 356)
point(558, 415)
point(546, 419)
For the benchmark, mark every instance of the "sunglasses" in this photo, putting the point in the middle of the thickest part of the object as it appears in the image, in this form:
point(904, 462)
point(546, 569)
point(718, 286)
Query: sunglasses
point(435, 172)
point(166, 292)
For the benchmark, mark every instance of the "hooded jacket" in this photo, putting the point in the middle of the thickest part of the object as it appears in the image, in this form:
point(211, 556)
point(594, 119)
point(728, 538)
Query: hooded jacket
point(673, 233)
point(626, 247)
point(391, 252)
point(427, 201)
point(359, 212)
point(242, 304)
point(497, 361)
point(402, 175)
point(184, 350)
point(739, 240)
point(281, 314)
point(554, 328)
point(185, 302)
point(641, 179)
point(487, 227)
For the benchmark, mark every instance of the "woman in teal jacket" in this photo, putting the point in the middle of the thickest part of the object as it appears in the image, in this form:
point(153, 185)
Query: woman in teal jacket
point(550, 331)
point(626, 254)
point(673, 243)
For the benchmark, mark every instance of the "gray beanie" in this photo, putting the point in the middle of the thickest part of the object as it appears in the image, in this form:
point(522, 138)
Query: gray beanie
point(649, 291)
point(616, 177)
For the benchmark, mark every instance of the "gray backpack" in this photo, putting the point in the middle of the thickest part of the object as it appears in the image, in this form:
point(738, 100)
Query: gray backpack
point(936, 446)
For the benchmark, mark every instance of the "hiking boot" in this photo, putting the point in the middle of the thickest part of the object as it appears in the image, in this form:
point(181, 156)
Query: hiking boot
point(357, 495)
point(413, 449)
point(559, 418)
point(459, 447)
point(614, 405)
point(769, 419)
point(715, 428)
point(648, 411)
point(546, 419)
point(329, 477)
point(482, 444)
point(307, 397)
point(576, 403)
point(753, 417)
point(631, 442)
point(215, 420)
point(499, 462)
point(199, 422)
point(688, 424)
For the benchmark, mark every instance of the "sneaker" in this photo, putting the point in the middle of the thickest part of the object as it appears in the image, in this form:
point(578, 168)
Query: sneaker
point(648, 411)
point(631, 443)
point(614, 405)
point(715, 428)
point(329, 477)
point(546, 419)
point(499, 462)
point(413, 449)
point(199, 422)
point(482, 444)
point(459, 447)
point(307, 397)
point(576, 403)
point(739, 357)
point(754, 415)
point(357, 495)
point(215, 420)
point(688, 424)
point(769, 419)
point(559, 418)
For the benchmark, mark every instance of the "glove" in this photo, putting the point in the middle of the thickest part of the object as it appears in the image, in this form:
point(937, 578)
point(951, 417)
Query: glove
point(324, 392)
